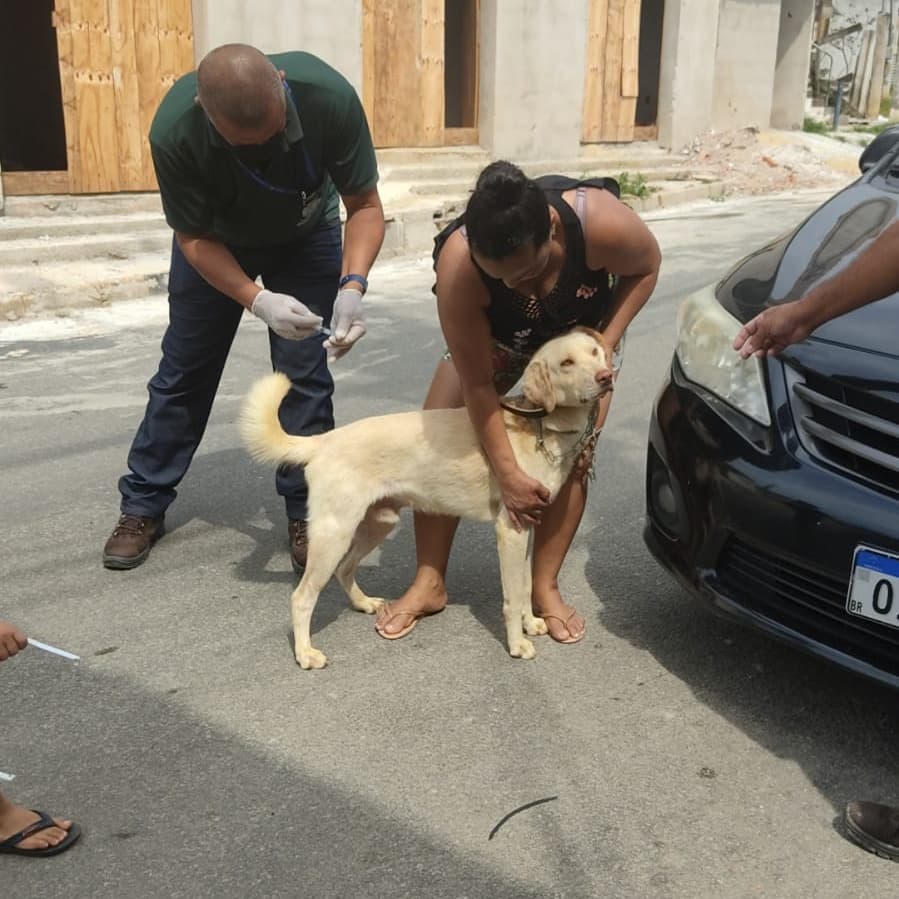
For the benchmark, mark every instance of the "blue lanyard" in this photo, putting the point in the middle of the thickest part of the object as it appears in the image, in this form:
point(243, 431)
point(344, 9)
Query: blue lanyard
point(277, 188)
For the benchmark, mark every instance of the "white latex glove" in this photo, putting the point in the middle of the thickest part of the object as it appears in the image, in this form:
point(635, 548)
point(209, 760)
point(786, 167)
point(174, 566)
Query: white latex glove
point(285, 315)
point(347, 323)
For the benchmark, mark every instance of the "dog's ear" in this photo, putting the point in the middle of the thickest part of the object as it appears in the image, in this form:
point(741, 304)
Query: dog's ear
point(600, 338)
point(537, 386)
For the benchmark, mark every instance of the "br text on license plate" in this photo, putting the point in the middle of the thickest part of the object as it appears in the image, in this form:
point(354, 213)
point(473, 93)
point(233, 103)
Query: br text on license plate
point(874, 588)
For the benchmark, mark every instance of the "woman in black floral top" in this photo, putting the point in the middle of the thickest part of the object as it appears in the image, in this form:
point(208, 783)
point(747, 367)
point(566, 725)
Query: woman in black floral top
point(527, 261)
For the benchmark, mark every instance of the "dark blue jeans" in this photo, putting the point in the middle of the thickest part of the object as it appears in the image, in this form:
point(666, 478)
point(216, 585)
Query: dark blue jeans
point(202, 325)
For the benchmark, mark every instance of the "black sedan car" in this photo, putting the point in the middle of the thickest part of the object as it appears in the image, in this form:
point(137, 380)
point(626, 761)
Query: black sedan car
point(772, 485)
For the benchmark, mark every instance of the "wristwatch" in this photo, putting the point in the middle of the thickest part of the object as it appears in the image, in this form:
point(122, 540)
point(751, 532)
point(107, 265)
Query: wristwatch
point(357, 278)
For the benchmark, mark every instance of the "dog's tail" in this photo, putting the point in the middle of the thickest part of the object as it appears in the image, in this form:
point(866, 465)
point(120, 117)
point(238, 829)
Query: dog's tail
point(261, 428)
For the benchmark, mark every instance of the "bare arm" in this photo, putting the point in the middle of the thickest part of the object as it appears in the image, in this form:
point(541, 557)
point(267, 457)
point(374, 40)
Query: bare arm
point(364, 232)
point(462, 300)
point(618, 240)
point(215, 262)
point(873, 275)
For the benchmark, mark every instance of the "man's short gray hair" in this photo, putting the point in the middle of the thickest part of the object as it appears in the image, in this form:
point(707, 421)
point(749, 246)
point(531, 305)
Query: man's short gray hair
point(238, 84)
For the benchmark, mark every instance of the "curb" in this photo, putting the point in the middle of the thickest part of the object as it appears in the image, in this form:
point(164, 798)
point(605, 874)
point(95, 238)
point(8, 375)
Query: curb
point(409, 232)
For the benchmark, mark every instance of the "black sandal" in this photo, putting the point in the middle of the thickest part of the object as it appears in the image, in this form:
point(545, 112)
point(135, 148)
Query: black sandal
point(11, 846)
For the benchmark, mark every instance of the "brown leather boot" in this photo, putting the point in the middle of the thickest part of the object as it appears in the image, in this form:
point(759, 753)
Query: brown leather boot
point(875, 827)
point(130, 542)
point(299, 543)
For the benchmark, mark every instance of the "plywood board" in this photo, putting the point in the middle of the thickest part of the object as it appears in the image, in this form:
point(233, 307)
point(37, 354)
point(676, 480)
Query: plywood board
point(612, 74)
point(368, 58)
point(62, 23)
point(630, 88)
point(431, 67)
point(117, 58)
point(460, 137)
point(472, 62)
point(594, 76)
point(26, 184)
point(131, 140)
point(147, 50)
point(630, 50)
point(611, 77)
point(94, 98)
point(403, 71)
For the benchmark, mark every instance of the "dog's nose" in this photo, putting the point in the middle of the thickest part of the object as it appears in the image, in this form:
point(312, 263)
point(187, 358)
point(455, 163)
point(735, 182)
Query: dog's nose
point(604, 379)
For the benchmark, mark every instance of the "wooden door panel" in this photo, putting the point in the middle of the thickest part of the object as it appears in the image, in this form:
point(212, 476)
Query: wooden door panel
point(117, 60)
point(611, 84)
point(403, 71)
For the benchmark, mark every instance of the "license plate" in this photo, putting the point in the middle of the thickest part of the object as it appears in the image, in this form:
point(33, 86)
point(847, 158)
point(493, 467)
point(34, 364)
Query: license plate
point(874, 588)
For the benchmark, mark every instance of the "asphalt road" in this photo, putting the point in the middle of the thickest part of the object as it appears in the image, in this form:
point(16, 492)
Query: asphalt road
point(681, 755)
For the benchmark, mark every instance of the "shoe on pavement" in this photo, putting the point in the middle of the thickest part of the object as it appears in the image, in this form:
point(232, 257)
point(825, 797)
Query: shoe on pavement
point(299, 543)
point(875, 827)
point(130, 542)
point(11, 846)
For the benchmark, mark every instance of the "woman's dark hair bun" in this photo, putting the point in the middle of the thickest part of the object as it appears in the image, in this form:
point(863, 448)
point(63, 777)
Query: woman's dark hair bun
point(504, 180)
point(505, 211)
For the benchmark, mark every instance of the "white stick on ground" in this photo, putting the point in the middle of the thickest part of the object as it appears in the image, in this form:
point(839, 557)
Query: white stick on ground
point(58, 652)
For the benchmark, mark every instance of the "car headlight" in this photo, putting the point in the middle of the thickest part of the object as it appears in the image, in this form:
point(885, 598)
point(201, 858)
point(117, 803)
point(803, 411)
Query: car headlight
point(705, 336)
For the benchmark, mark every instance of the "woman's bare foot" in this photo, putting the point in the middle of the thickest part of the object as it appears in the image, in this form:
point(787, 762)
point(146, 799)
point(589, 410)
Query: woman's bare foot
point(565, 625)
point(15, 818)
point(426, 596)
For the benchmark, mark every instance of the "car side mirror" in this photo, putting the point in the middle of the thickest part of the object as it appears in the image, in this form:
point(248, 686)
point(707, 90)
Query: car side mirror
point(883, 144)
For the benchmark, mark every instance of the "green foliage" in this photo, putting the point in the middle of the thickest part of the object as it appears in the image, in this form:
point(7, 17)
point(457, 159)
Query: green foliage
point(815, 126)
point(633, 185)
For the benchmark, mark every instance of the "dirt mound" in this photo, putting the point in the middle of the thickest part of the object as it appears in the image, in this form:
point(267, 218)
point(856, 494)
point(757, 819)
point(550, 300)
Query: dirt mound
point(750, 165)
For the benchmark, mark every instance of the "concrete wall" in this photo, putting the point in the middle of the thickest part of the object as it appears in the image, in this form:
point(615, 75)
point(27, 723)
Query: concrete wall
point(331, 29)
point(721, 63)
point(792, 67)
point(744, 63)
point(533, 55)
point(686, 80)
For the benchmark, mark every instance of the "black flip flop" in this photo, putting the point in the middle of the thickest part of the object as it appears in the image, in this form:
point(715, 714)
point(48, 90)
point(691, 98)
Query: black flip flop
point(11, 846)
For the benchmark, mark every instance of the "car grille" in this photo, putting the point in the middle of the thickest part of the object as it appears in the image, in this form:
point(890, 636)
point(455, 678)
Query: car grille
point(848, 427)
point(805, 601)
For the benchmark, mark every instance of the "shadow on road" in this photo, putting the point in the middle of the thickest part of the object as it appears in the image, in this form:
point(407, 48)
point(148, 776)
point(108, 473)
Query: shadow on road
point(173, 806)
point(840, 729)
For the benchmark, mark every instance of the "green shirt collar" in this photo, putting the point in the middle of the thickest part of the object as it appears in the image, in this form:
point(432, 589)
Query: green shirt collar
point(293, 129)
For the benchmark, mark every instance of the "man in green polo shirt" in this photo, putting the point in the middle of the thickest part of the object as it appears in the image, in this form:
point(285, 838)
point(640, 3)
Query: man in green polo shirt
point(251, 153)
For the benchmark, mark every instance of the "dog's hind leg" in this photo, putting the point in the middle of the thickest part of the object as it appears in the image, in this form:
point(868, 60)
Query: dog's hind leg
point(328, 543)
point(373, 530)
point(515, 570)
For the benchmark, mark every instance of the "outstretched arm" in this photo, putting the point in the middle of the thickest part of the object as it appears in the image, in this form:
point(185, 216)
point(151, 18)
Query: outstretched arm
point(871, 276)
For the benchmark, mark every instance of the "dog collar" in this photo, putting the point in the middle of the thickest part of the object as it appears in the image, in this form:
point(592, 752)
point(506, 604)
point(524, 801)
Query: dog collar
point(522, 406)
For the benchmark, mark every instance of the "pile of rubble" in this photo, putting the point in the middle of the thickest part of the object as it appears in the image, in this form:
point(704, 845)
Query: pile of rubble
point(748, 161)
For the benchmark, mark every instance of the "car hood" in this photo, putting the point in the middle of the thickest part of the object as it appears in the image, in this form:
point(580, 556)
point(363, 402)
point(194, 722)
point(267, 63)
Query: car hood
point(828, 240)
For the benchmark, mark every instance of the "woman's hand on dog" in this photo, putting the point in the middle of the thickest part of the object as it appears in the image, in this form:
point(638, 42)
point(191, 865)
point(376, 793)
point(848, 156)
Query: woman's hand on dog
point(525, 499)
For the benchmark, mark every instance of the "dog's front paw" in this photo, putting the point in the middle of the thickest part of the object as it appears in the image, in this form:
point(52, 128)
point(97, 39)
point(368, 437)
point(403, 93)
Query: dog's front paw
point(311, 658)
point(534, 626)
point(369, 604)
point(522, 649)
